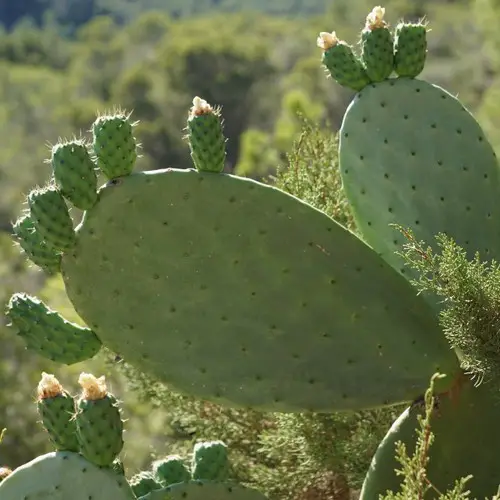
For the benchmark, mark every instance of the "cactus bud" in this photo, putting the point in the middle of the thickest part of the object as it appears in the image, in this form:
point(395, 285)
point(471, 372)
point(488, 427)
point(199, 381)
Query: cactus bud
point(56, 408)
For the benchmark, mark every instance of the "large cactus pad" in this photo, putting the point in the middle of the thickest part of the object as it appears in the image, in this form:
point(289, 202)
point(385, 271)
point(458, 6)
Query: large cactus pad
point(190, 277)
point(63, 475)
point(411, 154)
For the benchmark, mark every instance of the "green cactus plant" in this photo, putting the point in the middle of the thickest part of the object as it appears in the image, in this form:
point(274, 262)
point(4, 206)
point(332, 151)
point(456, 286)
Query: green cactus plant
point(64, 473)
point(412, 156)
point(92, 470)
point(236, 292)
point(239, 351)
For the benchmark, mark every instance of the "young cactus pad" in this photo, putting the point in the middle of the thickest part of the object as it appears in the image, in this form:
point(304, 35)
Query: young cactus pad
point(64, 475)
point(48, 333)
point(205, 490)
point(57, 408)
point(98, 421)
point(467, 439)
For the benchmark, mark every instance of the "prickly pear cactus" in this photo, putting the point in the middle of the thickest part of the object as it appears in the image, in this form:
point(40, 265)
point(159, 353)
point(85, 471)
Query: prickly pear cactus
point(62, 474)
point(238, 293)
point(94, 472)
point(321, 283)
point(411, 154)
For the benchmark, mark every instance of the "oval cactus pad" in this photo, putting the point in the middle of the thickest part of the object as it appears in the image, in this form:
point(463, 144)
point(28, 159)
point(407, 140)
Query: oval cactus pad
point(412, 155)
point(239, 293)
point(63, 475)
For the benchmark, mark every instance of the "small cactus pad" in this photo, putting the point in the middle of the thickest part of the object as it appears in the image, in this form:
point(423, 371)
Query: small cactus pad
point(47, 333)
point(143, 483)
point(224, 312)
point(205, 490)
point(114, 145)
point(98, 421)
point(74, 173)
point(51, 218)
point(377, 46)
point(341, 62)
point(410, 49)
point(206, 138)
point(171, 470)
point(36, 249)
point(411, 154)
point(210, 461)
point(64, 475)
point(57, 408)
point(467, 439)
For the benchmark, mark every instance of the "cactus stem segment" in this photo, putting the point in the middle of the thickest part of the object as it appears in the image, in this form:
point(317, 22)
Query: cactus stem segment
point(206, 137)
point(341, 62)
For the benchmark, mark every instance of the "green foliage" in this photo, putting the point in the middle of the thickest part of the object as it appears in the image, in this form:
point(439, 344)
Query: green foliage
point(470, 292)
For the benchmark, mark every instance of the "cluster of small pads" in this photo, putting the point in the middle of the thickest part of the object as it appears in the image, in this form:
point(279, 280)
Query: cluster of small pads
point(236, 292)
point(87, 435)
point(382, 53)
